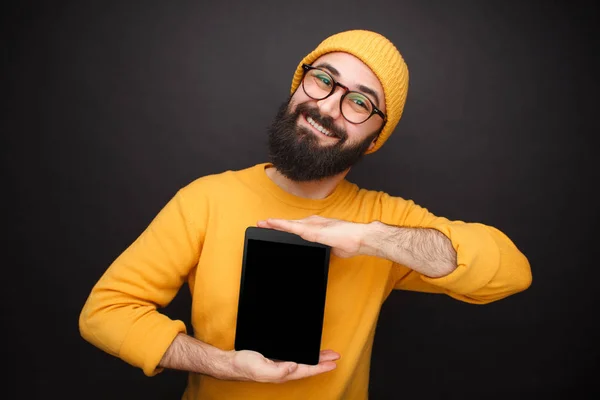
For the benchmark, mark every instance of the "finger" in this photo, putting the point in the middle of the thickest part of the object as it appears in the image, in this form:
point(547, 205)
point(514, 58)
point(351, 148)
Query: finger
point(255, 366)
point(305, 371)
point(283, 225)
point(286, 366)
point(308, 219)
point(276, 371)
point(328, 355)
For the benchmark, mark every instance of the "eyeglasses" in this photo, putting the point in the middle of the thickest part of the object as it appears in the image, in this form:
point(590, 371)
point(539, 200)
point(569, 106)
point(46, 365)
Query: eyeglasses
point(354, 106)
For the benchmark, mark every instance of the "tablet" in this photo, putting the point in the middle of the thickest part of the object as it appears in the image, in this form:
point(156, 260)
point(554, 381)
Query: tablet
point(282, 296)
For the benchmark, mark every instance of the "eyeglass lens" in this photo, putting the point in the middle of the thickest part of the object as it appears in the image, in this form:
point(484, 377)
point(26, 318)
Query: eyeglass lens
point(355, 106)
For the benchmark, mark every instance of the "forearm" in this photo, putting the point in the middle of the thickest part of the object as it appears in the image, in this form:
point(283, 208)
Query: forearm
point(189, 354)
point(424, 250)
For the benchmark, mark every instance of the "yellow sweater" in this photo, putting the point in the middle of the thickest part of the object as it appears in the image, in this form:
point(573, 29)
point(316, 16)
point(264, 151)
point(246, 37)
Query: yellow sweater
point(198, 238)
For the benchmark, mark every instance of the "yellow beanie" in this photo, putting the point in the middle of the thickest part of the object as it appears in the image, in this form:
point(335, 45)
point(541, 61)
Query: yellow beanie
point(385, 61)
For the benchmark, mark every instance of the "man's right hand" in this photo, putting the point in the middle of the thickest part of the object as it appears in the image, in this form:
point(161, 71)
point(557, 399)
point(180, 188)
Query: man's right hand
point(190, 354)
point(252, 366)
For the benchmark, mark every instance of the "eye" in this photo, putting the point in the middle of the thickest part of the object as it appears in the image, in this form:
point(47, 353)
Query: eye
point(325, 79)
point(356, 104)
point(360, 102)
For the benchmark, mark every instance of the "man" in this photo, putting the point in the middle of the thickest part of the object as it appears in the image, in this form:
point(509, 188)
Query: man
point(347, 97)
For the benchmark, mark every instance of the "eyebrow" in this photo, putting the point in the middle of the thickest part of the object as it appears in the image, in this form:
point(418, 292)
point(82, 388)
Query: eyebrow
point(362, 88)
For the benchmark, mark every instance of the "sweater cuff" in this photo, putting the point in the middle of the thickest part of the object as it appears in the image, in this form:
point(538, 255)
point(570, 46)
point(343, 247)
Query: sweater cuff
point(478, 258)
point(147, 342)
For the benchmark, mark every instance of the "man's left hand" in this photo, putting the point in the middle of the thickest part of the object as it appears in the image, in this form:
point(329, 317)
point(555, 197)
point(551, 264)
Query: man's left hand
point(345, 238)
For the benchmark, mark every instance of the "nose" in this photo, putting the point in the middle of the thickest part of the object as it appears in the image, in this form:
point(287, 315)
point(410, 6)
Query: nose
point(331, 105)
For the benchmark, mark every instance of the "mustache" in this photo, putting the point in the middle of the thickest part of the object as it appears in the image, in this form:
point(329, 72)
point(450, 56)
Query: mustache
point(325, 122)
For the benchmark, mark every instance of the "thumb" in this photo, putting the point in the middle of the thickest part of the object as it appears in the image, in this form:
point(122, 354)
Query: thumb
point(277, 370)
point(292, 367)
point(287, 367)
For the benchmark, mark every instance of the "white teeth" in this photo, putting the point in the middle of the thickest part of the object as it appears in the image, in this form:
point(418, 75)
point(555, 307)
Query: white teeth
point(318, 127)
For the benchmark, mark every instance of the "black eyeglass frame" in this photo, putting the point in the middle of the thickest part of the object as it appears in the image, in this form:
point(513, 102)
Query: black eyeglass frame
point(374, 111)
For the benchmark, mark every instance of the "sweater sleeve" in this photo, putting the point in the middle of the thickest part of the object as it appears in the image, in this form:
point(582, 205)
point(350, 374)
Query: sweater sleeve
point(489, 265)
point(120, 315)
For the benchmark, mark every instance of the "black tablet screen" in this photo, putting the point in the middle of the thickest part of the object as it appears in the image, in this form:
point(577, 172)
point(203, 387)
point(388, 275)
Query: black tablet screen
point(282, 300)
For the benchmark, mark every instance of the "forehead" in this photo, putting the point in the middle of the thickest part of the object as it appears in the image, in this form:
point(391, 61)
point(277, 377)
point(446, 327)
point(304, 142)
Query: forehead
point(353, 72)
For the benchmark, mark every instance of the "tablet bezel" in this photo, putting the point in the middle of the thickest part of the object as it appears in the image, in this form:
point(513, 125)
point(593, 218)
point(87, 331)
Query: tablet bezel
point(273, 235)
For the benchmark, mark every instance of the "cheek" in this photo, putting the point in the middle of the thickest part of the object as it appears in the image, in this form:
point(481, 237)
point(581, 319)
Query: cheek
point(355, 133)
point(299, 97)
point(373, 125)
point(358, 133)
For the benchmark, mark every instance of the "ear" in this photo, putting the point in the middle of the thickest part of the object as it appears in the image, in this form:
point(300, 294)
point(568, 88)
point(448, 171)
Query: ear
point(372, 144)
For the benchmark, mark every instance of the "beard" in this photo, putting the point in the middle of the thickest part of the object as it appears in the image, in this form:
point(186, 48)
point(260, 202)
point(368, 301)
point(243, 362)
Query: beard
point(297, 153)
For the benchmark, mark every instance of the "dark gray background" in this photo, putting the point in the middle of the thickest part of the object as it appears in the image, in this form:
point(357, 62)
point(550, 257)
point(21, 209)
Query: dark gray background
point(110, 107)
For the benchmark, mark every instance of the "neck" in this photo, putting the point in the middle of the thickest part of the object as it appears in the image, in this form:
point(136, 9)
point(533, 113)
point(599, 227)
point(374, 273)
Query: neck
point(315, 190)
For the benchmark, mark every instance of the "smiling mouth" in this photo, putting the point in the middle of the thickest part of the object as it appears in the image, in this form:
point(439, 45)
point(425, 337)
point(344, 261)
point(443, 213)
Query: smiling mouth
point(318, 128)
